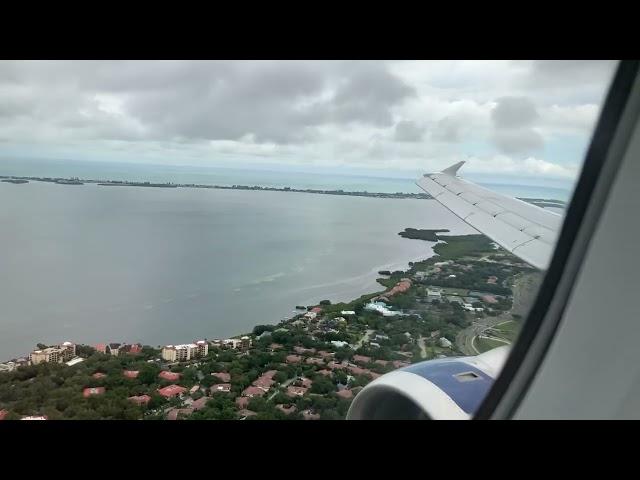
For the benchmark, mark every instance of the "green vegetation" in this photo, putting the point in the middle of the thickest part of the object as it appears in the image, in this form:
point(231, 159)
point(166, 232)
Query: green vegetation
point(485, 344)
point(56, 390)
point(415, 234)
point(508, 330)
point(17, 182)
point(463, 245)
point(461, 292)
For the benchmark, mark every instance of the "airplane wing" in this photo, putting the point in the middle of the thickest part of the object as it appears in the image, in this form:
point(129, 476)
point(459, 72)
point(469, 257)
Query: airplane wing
point(527, 231)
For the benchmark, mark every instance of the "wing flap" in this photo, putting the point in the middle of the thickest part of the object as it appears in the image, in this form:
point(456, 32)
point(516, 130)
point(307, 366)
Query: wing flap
point(525, 230)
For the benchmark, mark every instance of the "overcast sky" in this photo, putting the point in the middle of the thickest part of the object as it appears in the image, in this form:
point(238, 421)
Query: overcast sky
point(530, 118)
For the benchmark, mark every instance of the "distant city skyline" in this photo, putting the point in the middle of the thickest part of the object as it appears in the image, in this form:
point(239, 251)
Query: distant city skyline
point(510, 120)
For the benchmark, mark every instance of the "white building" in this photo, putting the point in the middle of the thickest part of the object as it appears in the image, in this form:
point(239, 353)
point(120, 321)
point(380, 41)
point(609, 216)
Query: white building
point(242, 343)
point(7, 367)
point(203, 348)
point(434, 292)
point(444, 343)
point(59, 354)
point(381, 308)
point(75, 361)
point(180, 353)
point(347, 312)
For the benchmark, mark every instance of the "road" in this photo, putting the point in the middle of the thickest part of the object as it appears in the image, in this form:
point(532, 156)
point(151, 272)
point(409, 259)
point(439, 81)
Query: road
point(464, 339)
point(284, 385)
point(365, 338)
point(423, 348)
point(524, 290)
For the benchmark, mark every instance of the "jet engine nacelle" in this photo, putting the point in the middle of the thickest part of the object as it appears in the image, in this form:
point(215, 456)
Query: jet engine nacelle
point(449, 388)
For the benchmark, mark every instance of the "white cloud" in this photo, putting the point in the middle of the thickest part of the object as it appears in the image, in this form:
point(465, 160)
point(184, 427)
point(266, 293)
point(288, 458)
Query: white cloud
point(397, 115)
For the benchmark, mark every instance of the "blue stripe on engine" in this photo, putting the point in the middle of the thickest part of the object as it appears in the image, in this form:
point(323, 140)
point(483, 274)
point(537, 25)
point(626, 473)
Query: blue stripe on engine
point(468, 395)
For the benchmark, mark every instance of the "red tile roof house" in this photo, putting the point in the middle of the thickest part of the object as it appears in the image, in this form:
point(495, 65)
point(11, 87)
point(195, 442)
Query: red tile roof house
point(99, 375)
point(194, 389)
point(169, 376)
point(286, 409)
point(174, 413)
point(361, 359)
point(309, 415)
point(324, 354)
point(270, 374)
point(101, 347)
point(316, 310)
point(131, 373)
point(358, 370)
point(264, 383)
point(314, 361)
point(346, 393)
point(253, 392)
point(489, 299)
point(293, 359)
point(135, 349)
point(400, 364)
point(334, 365)
point(305, 382)
point(275, 346)
point(88, 392)
point(200, 403)
point(3, 414)
point(325, 372)
point(382, 362)
point(171, 391)
point(242, 402)
point(225, 377)
point(140, 400)
point(221, 388)
point(296, 391)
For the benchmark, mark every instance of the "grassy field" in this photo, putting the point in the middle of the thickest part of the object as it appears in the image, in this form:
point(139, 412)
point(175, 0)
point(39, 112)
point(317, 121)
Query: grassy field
point(484, 344)
point(508, 330)
point(460, 245)
point(455, 291)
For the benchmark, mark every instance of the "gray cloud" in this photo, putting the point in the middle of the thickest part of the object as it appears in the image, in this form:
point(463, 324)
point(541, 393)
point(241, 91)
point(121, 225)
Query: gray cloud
point(364, 113)
point(408, 131)
point(513, 119)
point(447, 130)
point(514, 112)
point(272, 101)
point(518, 141)
point(570, 72)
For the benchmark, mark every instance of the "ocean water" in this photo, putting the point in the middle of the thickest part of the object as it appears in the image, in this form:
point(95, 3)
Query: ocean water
point(95, 264)
point(235, 176)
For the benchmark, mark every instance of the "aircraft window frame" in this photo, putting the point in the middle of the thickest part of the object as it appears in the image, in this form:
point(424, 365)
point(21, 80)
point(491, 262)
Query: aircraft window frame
point(597, 174)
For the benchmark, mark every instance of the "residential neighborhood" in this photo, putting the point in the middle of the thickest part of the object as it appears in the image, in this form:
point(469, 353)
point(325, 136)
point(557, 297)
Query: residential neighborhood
point(307, 367)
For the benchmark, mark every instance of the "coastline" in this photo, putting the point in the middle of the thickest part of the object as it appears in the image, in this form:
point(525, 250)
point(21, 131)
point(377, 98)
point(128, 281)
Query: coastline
point(374, 288)
point(120, 183)
point(308, 367)
point(339, 294)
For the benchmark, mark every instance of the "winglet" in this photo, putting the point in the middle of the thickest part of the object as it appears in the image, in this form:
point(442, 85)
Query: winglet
point(453, 169)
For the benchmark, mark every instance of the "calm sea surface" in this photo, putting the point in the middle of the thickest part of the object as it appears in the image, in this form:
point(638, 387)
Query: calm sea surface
point(96, 264)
